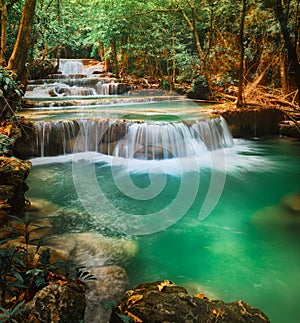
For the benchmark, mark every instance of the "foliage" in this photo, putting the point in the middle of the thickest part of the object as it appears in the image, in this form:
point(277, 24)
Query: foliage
point(24, 272)
point(9, 91)
point(5, 144)
point(82, 275)
point(12, 314)
point(167, 41)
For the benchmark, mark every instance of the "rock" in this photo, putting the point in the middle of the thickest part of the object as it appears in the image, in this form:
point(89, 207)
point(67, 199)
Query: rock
point(253, 122)
point(109, 287)
point(291, 202)
point(13, 171)
point(95, 250)
point(163, 301)
point(25, 144)
point(281, 219)
point(34, 251)
point(57, 304)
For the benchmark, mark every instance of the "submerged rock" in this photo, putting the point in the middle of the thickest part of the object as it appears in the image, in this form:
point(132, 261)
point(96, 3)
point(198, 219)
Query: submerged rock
point(95, 250)
point(102, 293)
point(281, 219)
point(292, 202)
point(163, 301)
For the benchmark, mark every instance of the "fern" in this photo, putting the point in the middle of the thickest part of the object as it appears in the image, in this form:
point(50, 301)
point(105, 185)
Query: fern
point(12, 314)
point(83, 275)
point(44, 260)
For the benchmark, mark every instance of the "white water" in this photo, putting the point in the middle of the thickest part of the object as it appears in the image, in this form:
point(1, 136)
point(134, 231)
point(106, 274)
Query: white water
point(156, 140)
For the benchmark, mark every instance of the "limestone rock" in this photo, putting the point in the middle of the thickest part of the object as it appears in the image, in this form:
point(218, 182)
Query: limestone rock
point(109, 287)
point(58, 304)
point(163, 301)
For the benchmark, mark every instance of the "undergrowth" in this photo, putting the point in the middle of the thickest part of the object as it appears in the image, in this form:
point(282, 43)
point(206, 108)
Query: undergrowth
point(24, 271)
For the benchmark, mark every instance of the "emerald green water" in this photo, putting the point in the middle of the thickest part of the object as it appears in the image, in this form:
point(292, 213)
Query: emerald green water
point(247, 248)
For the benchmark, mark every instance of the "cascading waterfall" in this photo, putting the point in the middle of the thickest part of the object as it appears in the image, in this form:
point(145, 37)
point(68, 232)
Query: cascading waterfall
point(76, 79)
point(72, 67)
point(128, 139)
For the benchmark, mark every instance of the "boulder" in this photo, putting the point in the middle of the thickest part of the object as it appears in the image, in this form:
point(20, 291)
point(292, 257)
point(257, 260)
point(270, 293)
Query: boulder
point(13, 173)
point(57, 303)
point(163, 301)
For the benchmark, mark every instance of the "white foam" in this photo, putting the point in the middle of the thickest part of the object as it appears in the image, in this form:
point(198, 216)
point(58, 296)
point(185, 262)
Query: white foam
point(242, 157)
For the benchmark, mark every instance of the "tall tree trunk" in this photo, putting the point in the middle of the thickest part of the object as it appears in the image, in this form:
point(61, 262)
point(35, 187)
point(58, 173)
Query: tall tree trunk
point(284, 86)
point(115, 57)
point(192, 26)
point(240, 102)
point(18, 59)
point(291, 48)
point(3, 32)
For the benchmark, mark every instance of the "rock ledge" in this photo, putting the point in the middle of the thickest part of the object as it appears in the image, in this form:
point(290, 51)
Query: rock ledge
point(163, 301)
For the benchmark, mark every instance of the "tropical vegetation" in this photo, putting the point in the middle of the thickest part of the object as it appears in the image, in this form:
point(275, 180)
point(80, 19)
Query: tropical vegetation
point(227, 45)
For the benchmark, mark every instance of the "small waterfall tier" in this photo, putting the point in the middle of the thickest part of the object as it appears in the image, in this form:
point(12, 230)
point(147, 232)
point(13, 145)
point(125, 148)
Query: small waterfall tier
point(129, 139)
point(78, 78)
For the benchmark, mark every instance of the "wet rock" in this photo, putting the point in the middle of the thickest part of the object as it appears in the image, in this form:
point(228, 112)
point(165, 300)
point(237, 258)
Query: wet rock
point(109, 288)
point(59, 304)
point(25, 145)
point(123, 88)
point(291, 202)
point(95, 250)
point(253, 122)
point(163, 301)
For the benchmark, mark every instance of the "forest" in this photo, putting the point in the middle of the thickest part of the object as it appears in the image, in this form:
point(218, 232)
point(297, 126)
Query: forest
point(244, 51)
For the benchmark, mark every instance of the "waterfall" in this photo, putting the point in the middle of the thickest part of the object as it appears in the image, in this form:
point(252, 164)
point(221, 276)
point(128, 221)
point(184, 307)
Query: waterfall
point(128, 139)
point(71, 67)
point(107, 88)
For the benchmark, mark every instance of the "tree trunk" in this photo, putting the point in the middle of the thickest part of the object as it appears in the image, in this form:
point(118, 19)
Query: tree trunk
point(292, 52)
point(3, 32)
point(18, 59)
point(115, 57)
point(284, 86)
point(239, 102)
point(192, 26)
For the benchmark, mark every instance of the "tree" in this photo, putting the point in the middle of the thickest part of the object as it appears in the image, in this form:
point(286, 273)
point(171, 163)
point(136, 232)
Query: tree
point(282, 13)
point(19, 56)
point(3, 32)
point(242, 53)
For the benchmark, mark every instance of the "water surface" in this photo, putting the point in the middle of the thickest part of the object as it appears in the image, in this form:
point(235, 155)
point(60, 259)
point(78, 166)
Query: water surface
point(247, 248)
